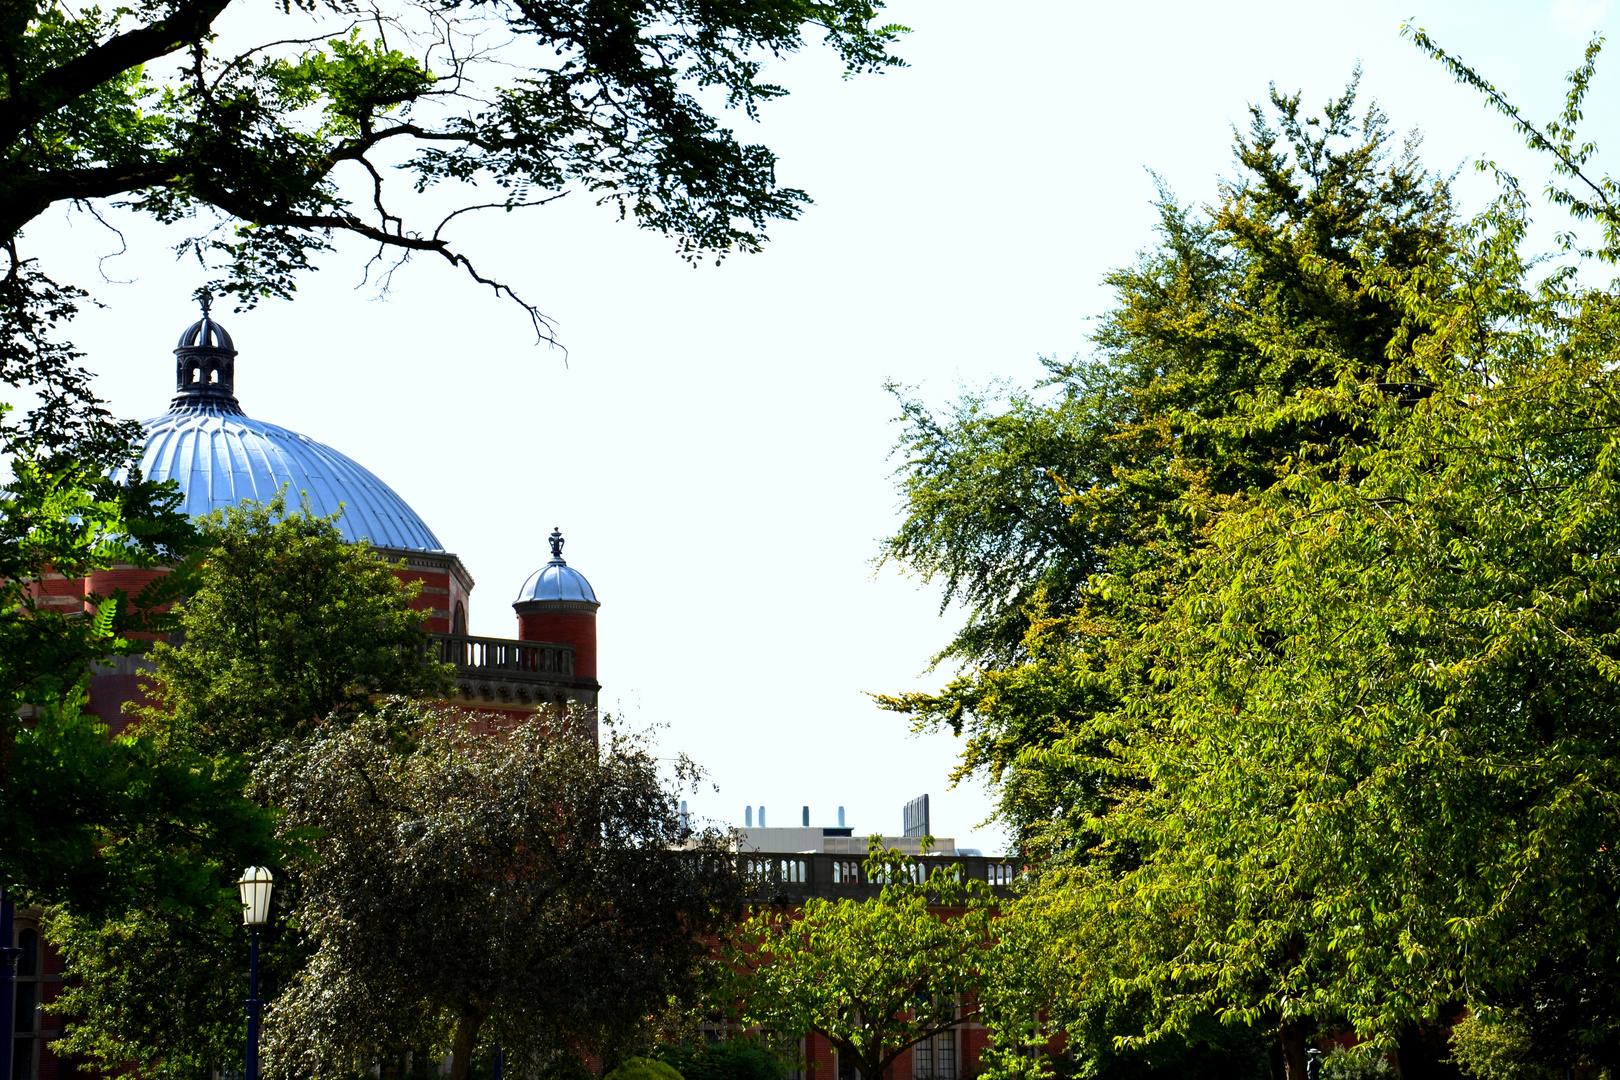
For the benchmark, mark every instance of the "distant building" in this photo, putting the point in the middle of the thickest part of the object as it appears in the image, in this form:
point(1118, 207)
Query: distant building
point(840, 839)
point(831, 840)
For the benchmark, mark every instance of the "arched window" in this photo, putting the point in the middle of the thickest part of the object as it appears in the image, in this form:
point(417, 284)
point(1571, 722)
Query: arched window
point(458, 620)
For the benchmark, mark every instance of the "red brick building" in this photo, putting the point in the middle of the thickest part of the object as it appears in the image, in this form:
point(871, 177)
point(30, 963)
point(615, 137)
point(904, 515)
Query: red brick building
point(219, 457)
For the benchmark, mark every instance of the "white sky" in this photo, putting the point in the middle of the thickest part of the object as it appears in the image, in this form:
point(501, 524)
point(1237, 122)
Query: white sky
point(715, 448)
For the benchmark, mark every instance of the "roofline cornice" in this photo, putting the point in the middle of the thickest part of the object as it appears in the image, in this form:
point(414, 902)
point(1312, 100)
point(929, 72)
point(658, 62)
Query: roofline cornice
point(429, 560)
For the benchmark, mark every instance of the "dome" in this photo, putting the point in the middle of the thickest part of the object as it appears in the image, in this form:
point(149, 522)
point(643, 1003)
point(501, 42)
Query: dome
point(221, 457)
point(557, 580)
point(205, 333)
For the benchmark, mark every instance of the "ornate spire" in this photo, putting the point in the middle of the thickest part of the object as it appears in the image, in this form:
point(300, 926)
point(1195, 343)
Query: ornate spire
point(205, 365)
point(556, 539)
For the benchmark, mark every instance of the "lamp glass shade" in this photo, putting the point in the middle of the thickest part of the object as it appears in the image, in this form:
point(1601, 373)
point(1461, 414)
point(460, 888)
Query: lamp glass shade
point(256, 883)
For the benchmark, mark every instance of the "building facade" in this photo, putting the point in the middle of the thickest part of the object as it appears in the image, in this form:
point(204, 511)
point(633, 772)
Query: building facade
point(220, 457)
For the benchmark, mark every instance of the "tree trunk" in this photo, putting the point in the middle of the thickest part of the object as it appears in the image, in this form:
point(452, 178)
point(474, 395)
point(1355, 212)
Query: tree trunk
point(1291, 1038)
point(466, 1040)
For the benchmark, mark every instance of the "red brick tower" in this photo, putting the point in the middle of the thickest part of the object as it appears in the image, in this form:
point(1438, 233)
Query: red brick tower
point(557, 604)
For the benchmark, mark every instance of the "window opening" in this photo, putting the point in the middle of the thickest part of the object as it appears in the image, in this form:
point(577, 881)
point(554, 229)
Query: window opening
point(28, 962)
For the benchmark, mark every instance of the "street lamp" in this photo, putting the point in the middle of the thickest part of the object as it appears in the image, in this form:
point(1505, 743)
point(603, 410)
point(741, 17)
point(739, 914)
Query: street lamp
point(255, 884)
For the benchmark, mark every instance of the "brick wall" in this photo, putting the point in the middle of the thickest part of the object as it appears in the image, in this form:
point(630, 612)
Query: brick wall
point(576, 628)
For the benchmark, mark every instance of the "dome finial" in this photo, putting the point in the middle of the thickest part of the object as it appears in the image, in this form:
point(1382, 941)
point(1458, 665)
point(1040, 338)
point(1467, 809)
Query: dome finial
point(206, 299)
point(556, 539)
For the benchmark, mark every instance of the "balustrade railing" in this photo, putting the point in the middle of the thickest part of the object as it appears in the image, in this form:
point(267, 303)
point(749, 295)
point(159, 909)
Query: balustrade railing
point(479, 655)
point(771, 875)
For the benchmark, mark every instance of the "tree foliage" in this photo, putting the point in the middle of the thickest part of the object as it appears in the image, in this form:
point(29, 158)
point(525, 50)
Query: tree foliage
point(98, 825)
point(266, 146)
point(1324, 741)
point(292, 627)
point(734, 1058)
point(88, 822)
point(527, 889)
point(872, 977)
point(1059, 517)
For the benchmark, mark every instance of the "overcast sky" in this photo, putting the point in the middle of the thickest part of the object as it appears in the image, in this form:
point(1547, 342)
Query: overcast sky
point(715, 446)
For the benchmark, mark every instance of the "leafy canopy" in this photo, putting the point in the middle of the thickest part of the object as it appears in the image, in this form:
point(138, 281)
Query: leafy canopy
point(291, 630)
point(550, 869)
point(292, 627)
point(1325, 740)
point(264, 144)
point(1058, 516)
point(872, 977)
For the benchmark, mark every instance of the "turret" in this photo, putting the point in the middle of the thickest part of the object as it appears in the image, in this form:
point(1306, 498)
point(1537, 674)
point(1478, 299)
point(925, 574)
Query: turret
point(557, 604)
point(205, 366)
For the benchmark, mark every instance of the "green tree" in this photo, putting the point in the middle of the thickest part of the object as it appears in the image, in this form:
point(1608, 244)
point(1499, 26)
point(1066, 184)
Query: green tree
point(256, 138)
point(92, 823)
point(1341, 756)
point(734, 1058)
point(62, 516)
point(638, 1068)
point(528, 889)
point(1059, 516)
point(291, 627)
point(99, 825)
point(872, 977)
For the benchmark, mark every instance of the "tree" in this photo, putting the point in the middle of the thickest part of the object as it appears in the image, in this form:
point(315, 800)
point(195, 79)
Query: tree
point(292, 627)
point(62, 517)
point(872, 977)
point(1346, 760)
point(529, 889)
point(263, 140)
point(1058, 517)
point(98, 825)
point(89, 823)
point(734, 1058)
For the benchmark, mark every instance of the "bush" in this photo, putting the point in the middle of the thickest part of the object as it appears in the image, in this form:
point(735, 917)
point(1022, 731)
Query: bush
point(640, 1068)
point(1496, 1049)
point(1346, 1064)
point(729, 1059)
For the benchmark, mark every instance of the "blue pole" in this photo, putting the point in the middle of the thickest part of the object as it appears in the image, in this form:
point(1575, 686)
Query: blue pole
point(252, 1011)
point(498, 1061)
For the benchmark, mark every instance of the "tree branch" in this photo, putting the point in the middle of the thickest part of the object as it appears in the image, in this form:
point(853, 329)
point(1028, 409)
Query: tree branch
point(189, 22)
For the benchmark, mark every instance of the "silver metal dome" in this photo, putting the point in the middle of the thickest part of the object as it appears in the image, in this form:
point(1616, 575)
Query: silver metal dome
point(557, 580)
point(221, 457)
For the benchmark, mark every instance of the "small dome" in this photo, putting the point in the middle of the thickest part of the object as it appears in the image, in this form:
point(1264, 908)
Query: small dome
point(557, 580)
point(205, 333)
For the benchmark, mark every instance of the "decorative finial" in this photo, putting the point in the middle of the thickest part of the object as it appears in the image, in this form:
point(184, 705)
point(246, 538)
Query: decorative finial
point(205, 298)
point(556, 543)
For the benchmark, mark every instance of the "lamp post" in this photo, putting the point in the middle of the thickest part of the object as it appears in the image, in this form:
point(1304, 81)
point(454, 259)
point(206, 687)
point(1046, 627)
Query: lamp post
point(255, 884)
